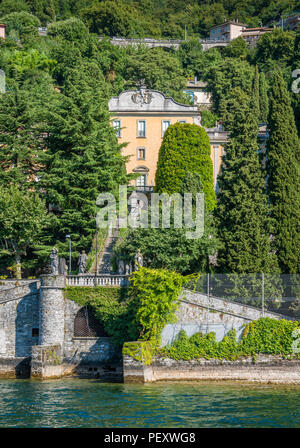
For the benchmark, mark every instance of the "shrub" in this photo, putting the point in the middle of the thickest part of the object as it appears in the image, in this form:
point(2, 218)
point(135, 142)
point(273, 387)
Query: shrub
point(185, 148)
point(265, 336)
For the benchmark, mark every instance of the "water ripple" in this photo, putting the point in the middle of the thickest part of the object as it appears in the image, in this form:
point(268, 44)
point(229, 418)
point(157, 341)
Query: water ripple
point(87, 403)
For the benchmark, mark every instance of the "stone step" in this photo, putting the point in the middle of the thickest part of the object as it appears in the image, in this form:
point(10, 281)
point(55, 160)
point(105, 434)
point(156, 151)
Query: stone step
point(106, 258)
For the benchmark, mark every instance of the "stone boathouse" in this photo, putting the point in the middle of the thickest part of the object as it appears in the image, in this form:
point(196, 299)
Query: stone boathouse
point(43, 334)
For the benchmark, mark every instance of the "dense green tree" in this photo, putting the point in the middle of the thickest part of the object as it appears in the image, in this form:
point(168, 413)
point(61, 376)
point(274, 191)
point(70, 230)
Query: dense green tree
point(256, 94)
point(195, 61)
point(227, 75)
point(43, 9)
point(158, 69)
point(23, 216)
point(207, 15)
point(72, 29)
point(118, 18)
point(191, 56)
point(32, 60)
point(82, 158)
point(296, 66)
point(276, 46)
point(283, 169)
point(22, 114)
point(185, 148)
point(154, 18)
point(112, 60)
point(67, 56)
point(208, 119)
point(169, 248)
point(8, 6)
point(242, 211)
point(238, 48)
point(21, 25)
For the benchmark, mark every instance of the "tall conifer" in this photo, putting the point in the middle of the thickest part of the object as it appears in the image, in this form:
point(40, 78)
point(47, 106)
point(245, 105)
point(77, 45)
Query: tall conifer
point(283, 158)
point(83, 158)
point(242, 210)
point(22, 112)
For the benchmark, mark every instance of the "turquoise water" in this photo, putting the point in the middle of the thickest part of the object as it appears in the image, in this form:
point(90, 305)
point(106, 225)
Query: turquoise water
point(89, 403)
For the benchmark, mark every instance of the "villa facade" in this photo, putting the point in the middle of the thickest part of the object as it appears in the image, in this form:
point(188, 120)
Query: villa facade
point(140, 119)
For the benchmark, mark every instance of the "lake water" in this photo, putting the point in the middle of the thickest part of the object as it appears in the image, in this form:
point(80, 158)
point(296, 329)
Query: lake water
point(89, 403)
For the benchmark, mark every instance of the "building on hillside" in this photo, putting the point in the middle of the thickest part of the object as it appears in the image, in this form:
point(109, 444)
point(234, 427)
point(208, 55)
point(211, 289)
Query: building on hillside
point(290, 23)
point(218, 138)
point(231, 30)
point(196, 89)
point(2, 30)
point(140, 119)
point(251, 35)
point(227, 31)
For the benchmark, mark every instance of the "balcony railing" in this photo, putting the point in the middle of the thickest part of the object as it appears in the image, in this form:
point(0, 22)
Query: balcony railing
point(97, 280)
point(144, 189)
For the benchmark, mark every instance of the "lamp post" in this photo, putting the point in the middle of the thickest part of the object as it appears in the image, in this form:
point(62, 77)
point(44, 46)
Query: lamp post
point(96, 267)
point(70, 253)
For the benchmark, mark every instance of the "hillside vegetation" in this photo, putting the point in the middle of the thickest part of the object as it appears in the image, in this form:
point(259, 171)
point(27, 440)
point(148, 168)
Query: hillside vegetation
point(157, 18)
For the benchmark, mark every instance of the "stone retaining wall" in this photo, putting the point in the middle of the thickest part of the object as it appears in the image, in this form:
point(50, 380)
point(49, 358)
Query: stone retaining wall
point(266, 369)
point(15, 367)
point(84, 350)
point(19, 316)
point(35, 316)
point(46, 362)
point(199, 313)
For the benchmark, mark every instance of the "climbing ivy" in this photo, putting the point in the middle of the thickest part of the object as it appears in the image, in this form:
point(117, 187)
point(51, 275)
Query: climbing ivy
point(265, 336)
point(142, 351)
point(109, 306)
point(154, 297)
point(140, 312)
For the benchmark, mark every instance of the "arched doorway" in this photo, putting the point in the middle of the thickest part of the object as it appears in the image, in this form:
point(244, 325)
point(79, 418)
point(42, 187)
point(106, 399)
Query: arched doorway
point(87, 325)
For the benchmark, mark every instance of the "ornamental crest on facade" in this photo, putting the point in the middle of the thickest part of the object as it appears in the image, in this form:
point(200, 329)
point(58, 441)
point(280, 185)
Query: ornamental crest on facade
point(142, 97)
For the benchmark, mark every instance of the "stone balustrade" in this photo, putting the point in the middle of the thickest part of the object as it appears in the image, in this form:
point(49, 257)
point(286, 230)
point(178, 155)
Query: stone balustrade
point(99, 280)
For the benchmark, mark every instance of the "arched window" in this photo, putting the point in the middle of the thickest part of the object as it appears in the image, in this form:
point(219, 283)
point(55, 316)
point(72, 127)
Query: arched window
point(87, 325)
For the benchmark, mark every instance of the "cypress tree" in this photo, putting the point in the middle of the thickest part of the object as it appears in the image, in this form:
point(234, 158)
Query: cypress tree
point(283, 158)
point(242, 211)
point(263, 98)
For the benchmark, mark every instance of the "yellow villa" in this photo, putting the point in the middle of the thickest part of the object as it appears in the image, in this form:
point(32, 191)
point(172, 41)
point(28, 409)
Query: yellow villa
point(140, 118)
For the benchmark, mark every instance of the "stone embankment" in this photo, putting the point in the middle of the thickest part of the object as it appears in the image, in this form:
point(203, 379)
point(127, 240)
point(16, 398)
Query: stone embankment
point(265, 369)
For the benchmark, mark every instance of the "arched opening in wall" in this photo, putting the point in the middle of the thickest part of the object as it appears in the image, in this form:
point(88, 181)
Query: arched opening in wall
point(142, 180)
point(86, 325)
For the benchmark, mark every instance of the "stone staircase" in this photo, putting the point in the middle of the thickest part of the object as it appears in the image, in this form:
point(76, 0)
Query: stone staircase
point(105, 259)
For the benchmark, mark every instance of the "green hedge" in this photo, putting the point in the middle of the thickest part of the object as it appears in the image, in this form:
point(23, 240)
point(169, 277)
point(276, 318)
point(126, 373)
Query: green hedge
point(185, 148)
